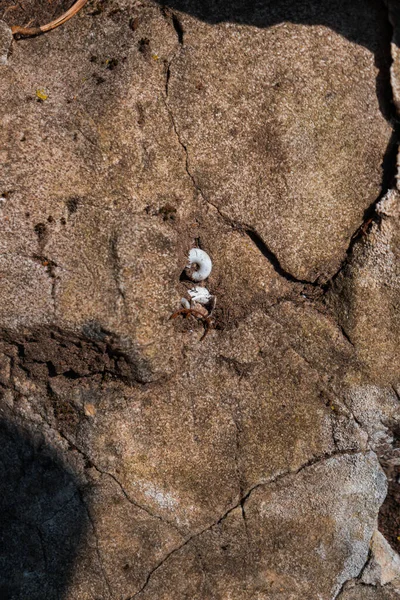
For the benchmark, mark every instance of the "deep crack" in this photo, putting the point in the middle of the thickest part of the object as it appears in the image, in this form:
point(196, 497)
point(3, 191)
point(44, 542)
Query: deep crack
point(241, 504)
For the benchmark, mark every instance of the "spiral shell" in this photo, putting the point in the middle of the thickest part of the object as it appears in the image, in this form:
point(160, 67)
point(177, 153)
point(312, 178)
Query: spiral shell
point(199, 265)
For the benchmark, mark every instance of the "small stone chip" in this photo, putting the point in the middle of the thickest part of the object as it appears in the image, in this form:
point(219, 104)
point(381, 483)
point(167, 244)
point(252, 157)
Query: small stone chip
point(90, 410)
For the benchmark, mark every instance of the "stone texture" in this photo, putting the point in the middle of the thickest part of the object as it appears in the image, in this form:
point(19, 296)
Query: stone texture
point(384, 564)
point(279, 155)
point(363, 592)
point(394, 16)
point(367, 291)
point(5, 42)
point(149, 463)
point(299, 531)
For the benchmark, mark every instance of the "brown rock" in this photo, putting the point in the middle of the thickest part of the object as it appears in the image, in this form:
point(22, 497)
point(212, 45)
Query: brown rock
point(138, 460)
point(280, 154)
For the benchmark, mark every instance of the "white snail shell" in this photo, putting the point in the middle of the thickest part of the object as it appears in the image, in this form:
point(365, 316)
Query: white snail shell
point(202, 261)
point(200, 295)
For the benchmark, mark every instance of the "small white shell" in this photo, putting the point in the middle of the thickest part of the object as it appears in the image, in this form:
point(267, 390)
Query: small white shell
point(185, 303)
point(203, 261)
point(200, 295)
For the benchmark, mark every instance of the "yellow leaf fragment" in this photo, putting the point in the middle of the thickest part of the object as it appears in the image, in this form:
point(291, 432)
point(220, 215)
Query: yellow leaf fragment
point(41, 94)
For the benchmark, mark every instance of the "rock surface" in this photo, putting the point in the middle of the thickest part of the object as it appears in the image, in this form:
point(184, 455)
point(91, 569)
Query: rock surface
point(384, 564)
point(138, 459)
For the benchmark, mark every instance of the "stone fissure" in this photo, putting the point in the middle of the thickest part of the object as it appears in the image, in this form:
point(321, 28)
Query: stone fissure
point(53, 516)
point(241, 505)
point(117, 271)
point(389, 167)
point(98, 553)
point(89, 463)
point(237, 226)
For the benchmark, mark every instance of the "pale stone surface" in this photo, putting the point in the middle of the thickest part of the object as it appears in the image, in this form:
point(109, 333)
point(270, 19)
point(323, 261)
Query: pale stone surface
point(301, 526)
point(394, 16)
point(364, 592)
point(384, 564)
point(5, 42)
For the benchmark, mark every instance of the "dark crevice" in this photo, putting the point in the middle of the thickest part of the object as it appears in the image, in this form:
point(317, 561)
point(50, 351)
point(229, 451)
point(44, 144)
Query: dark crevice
point(384, 92)
point(345, 334)
point(51, 369)
point(173, 19)
point(272, 258)
point(389, 172)
point(383, 62)
point(178, 28)
point(167, 78)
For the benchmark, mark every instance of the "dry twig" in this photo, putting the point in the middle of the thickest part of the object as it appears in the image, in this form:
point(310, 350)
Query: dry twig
point(28, 31)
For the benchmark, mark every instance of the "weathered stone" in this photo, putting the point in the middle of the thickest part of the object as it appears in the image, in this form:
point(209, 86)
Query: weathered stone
point(366, 295)
point(234, 465)
point(394, 16)
point(384, 564)
point(5, 42)
point(367, 592)
point(280, 543)
point(280, 154)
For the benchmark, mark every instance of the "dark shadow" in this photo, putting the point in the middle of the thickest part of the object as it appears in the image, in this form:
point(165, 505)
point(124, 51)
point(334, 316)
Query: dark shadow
point(364, 22)
point(42, 519)
point(360, 21)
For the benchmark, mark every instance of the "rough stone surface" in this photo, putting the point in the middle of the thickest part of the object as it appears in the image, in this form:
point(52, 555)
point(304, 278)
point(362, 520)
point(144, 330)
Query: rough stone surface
point(367, 294)
point(364, 592)
point(140, 458)
point(384, 564)
point(5, 42)
point(394, 16)
point(279, 156)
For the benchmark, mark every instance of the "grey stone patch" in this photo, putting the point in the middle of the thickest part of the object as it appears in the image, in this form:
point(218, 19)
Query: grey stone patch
point(365, 296)
point(375, 409)
point(6, 38)
point(318, 524)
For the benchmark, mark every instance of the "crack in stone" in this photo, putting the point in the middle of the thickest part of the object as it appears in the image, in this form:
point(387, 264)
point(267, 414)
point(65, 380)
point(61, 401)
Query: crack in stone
point(389, 167)
point(100, 559)
point(60, 509)
point(396, 393)
point(43, 547)
point(241, 503)
point(173, 19)
point(356, 420)
point(238, 226)
point(89, 463)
